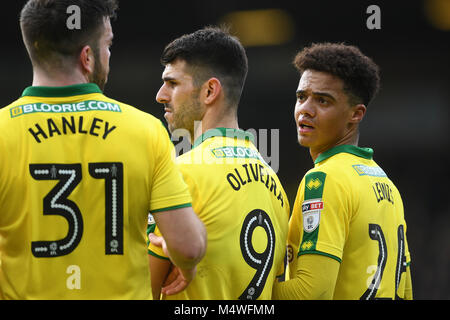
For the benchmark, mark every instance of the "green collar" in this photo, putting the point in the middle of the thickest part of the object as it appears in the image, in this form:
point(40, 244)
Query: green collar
point(66, 91)
point(224, 132)
point(357, 151)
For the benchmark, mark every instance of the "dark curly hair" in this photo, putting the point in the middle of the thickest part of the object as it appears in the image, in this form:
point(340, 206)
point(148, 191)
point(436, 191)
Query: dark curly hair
point(212, 52)
point(45, 31)
point(358, 72)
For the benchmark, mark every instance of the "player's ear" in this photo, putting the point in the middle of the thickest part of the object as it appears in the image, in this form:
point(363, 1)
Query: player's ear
point(212, 89)
point(357, 113)
point(86, 60)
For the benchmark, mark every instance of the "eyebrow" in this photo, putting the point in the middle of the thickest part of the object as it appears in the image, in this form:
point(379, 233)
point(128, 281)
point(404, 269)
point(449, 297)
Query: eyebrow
point(168, 78)
point(318, 93)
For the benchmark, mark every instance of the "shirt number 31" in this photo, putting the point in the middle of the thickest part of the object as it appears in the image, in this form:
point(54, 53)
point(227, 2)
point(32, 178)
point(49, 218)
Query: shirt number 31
point(57, 203)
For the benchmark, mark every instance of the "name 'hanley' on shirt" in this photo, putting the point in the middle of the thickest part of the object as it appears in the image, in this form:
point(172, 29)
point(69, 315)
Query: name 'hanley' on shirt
point(96, 127)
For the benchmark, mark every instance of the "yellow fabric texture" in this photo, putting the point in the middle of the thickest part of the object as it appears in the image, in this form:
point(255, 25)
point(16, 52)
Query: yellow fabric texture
point(229, 182)
point(347, 209)
point(72, 159)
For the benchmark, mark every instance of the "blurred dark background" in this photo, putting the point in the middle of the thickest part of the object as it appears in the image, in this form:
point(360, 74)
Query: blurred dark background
point(407, 125)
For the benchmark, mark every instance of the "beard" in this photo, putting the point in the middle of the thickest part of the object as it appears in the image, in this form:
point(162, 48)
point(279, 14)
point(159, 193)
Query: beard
point(185, 115)
point(100, 74)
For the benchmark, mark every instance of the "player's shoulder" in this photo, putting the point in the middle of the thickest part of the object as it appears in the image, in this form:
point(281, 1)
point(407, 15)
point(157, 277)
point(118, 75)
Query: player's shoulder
point(137, 118)
point(334, 172)
point(344, 161)
point(6, 109)
point(131, 110)
point(7, 112)
point(331, 168)
point(196, 160)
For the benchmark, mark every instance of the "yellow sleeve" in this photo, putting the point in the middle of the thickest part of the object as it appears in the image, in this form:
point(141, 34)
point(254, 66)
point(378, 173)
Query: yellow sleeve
point(154, 250)
point(168, 191)
point(315, 279)
point(326, 208)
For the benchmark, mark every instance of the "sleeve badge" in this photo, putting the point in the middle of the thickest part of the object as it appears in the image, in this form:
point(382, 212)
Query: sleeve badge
point(311, 210)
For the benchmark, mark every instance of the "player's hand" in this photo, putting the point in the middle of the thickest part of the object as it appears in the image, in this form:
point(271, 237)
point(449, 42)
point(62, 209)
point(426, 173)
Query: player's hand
point(177, 280)
point(159, 242)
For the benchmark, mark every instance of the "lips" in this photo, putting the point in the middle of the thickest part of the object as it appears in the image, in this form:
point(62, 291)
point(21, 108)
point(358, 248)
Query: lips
point(167, 108)
point(305, 126)
point(167, 114)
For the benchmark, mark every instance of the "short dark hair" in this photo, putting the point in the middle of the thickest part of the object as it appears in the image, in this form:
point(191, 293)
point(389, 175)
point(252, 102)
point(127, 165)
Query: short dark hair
point(212, 52)
point(45, 31)
point(358, 72)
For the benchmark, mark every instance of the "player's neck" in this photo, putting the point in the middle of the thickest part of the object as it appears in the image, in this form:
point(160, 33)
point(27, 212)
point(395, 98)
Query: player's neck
point(351, 139)
point(211, 121)
point(57, 79)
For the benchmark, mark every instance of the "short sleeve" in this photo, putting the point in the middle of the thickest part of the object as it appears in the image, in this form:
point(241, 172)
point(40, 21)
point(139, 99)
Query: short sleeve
point(154, 250)
point(168, 191)
point(325, 216)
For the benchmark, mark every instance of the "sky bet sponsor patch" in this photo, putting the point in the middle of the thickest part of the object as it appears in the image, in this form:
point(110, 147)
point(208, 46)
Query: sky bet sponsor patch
point(312, 205)
point(89, 105)
point(311, 210)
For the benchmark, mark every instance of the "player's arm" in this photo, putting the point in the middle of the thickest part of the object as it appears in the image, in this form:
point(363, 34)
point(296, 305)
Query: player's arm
point(169, 279)
point(183, 232)
point(184, 236)
point(159, 269)
point(166, 278)
point(315, 279)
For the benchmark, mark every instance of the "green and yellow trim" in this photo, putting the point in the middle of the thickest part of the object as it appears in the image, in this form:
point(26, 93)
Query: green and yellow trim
point(366, 153)
point(320, 253)
point(65, 91)
point(314, 185)
point(157, 255)
point(185, 205)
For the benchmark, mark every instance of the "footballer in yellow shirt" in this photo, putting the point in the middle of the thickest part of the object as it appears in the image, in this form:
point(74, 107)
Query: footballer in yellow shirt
point(80, 171)
point(245, 211)
point(349, 210)
point(347, 233)
point(78, 174)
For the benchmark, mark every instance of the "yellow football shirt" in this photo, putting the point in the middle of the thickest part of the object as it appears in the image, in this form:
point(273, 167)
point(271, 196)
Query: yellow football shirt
point(245, 211)
point(349, 210)
point(78, 174)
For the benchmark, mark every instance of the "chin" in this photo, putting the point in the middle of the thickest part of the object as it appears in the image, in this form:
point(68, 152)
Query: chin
point(303, 142)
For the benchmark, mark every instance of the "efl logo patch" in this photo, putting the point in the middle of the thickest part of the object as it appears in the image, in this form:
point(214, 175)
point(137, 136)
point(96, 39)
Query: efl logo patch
point(311, 210)
point(151, 220)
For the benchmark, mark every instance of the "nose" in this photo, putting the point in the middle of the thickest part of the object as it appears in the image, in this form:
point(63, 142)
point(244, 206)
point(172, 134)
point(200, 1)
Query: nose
point(162, 96)
point(305, 108)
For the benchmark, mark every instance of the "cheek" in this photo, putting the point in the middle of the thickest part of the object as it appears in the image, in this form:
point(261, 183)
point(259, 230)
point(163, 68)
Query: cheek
point(332, 124)
point(174, 98)
point(105, 54)
point(296, 112)
point(181, 95)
